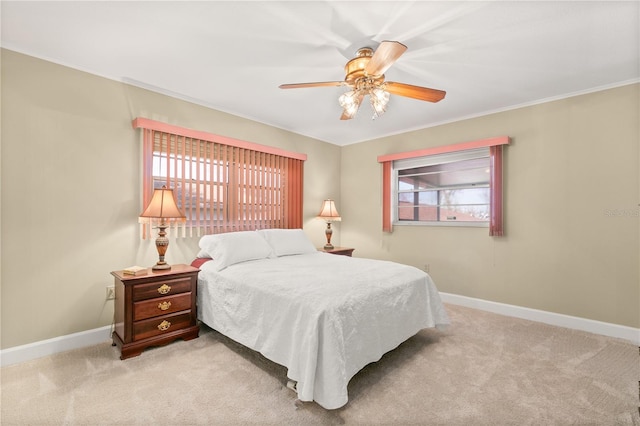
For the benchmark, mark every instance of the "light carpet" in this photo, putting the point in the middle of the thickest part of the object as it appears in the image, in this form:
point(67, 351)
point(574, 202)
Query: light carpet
point(486, 369)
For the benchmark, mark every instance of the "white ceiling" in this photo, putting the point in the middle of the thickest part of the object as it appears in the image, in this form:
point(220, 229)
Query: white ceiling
point(232, 56)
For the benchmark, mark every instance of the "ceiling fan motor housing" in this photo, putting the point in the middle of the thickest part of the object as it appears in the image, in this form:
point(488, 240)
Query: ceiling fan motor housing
point(354, 69)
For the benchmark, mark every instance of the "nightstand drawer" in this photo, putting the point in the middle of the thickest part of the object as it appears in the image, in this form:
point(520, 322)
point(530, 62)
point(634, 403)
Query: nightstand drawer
point(161, 306)
point(160, 325)
point(161, 288)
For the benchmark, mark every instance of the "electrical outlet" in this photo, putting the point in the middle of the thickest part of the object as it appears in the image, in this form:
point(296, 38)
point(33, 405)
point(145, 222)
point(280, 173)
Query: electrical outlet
point(111, 292)
point(426, 267)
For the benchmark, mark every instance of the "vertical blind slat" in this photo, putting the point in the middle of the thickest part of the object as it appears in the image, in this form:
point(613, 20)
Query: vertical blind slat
point(222, 178)
point(228, 171)
point(274, 193)
point(197, 186)
point(271, 192)
point(288, 204)
point(263, 191)
point(180, 177)
point(210, 177)
point(245, 203)
point(248, 217)
point(279, 194)
point(250, 203)
point(254, 190)
point(235, 187)
point(282, 212)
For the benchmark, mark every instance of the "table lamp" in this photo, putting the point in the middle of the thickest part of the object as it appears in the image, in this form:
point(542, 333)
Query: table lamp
point(162, 208)
point(329, 213)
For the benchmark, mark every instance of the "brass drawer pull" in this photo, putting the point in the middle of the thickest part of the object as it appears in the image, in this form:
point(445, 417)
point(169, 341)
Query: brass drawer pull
point(164, 325)
point(164, 289)
point(164, 306)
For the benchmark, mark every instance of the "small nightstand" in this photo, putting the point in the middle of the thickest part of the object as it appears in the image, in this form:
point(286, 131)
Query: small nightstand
point(155, 308)
point(344, 251)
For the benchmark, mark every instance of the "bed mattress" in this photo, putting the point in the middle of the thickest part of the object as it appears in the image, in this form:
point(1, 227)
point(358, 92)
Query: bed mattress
point(324, 317)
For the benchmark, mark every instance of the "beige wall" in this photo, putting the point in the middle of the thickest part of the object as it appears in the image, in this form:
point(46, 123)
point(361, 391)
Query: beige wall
point(71, 195)
point(572, 190)
point(71, 191)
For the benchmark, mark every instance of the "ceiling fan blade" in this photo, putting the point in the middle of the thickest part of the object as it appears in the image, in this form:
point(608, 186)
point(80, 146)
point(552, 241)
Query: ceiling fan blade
point(415, 92)
point(348, 116)
point(316, 84)
point(384, 56)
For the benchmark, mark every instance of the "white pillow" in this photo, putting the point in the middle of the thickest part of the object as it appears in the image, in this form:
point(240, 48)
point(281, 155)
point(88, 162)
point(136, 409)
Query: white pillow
point(202, 254)
point(286, 242)
point(234, 247)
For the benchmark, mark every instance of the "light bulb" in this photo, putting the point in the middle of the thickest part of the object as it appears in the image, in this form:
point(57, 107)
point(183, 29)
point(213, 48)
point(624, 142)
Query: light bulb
point(349, 101)
point(379, 99)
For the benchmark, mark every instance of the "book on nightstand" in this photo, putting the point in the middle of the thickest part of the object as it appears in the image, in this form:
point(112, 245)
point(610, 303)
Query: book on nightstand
point(134, 270)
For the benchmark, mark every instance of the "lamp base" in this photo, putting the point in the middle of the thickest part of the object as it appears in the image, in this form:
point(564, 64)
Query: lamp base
point(328, 232)
point(162, 243)
point(161, 266)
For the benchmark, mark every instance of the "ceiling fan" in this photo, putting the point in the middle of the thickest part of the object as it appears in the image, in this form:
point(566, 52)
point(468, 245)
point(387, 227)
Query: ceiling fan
point(365, 76)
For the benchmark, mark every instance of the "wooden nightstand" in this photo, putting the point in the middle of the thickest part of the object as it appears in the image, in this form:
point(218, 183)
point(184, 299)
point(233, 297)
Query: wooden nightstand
point(344, 251)
point(154, 308)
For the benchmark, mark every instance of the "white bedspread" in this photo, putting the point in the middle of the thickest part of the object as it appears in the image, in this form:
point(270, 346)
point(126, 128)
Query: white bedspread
point(322, 316)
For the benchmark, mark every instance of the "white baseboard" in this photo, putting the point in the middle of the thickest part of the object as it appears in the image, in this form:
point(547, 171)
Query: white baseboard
point(604, 328)
point(82, 339)
point(34, 350)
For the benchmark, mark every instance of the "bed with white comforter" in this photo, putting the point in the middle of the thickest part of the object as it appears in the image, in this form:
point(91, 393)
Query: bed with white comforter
point(322, 316)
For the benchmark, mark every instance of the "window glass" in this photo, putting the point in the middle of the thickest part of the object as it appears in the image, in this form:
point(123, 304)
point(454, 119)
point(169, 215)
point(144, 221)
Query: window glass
point(445, 188)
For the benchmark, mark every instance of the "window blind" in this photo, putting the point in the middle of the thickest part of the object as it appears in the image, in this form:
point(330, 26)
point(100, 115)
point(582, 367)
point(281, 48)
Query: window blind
point(221, 184)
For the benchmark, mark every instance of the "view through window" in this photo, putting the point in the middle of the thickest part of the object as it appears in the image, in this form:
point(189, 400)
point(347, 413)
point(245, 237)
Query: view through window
point(452, 187)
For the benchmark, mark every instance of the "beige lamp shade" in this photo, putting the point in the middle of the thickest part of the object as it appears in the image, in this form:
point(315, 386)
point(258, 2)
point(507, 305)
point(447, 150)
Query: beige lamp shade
point(163, 206)
point(329, 212)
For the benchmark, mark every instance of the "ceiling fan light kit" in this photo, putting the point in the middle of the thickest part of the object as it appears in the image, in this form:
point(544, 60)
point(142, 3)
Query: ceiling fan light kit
point(350, 101)
point(364, 74)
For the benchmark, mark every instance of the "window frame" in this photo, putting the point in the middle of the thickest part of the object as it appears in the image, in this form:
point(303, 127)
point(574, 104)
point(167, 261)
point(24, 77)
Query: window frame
point(495, 145)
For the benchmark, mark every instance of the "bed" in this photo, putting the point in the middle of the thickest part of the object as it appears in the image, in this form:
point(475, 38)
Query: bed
point(322, 316)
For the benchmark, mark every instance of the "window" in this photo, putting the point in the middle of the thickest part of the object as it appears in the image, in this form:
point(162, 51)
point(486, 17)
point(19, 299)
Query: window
point(452, 188)
point(455, 185)
point(222, 184)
